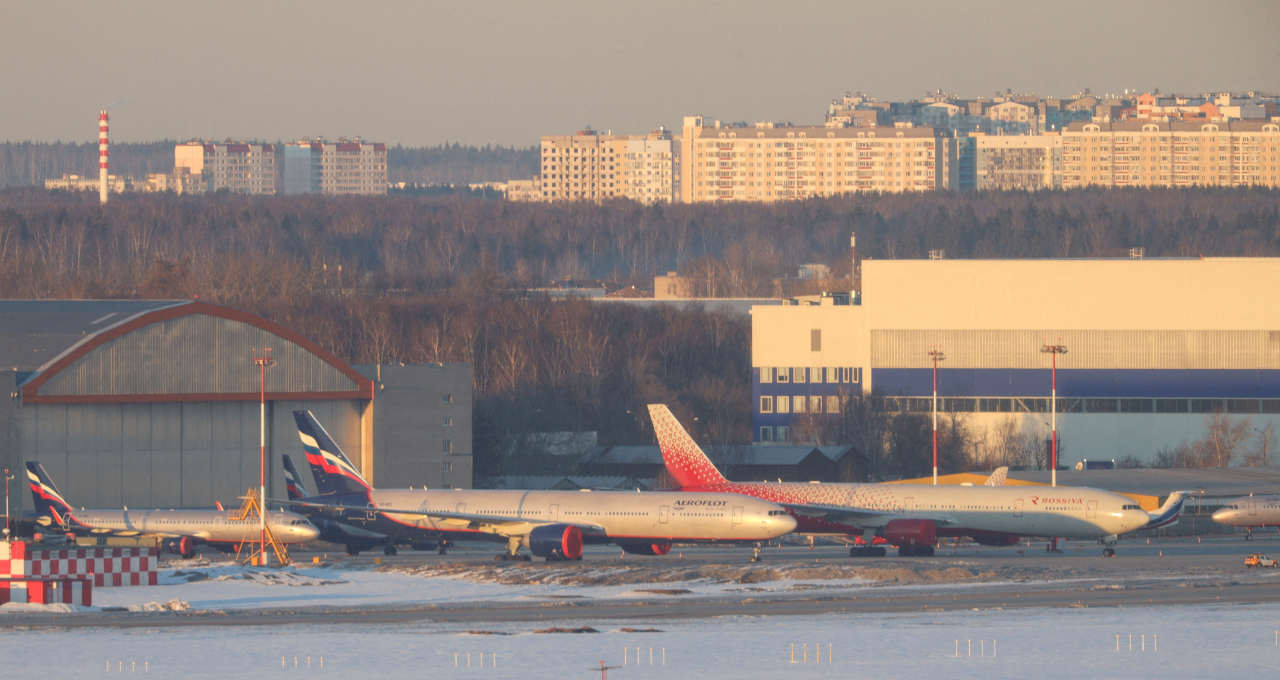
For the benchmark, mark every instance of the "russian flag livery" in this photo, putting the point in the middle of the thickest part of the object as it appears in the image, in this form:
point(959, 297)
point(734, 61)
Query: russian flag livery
point(685, 460)
point(48, 502)
point(292, 481)
point(333, 472)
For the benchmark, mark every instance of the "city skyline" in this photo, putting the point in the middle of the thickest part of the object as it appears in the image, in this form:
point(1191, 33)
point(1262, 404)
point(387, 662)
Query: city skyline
point(507, 73)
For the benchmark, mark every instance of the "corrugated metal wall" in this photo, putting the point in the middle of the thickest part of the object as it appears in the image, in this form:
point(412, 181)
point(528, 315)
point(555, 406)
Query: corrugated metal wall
point(195, 354)
point(1098, 349)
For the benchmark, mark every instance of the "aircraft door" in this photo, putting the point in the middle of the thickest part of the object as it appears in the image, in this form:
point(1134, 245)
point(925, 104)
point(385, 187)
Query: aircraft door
point(1253, 507)
point(1091, 510)
point(908, 504)
point(553, 512)
point(664, 512)
point(737, 514)
point(1017, 508)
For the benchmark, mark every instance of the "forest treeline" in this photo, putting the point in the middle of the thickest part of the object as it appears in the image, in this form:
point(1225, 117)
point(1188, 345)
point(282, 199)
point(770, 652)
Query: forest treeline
point(410, 278)
point(31, 163)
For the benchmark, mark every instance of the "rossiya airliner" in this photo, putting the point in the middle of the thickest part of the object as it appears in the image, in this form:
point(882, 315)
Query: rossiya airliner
point(550, 524)
point(913, 516)
point(1250, 511)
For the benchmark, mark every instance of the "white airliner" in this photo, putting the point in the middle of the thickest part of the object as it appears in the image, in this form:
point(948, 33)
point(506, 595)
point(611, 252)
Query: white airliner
point(550, 524)
point(913, 516)
point(1250, 512)
point(180, 531)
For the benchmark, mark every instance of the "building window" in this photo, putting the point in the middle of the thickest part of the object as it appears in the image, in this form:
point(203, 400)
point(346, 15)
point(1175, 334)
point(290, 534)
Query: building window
point(447, 466)
point(448, 398)
point(833, 404)
point(448, 446)
point(815, 340)
point(797, 374)
point(766, 404)
point(448, 421)
point(798, 404)
point(766, 374)
point(815, 404)
point(766, 434)
point(784, 375)
point(783, 404)
point(784, 433)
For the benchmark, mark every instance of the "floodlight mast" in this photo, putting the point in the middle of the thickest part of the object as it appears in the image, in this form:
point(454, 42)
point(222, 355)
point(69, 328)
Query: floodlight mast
point(263, 361)
point(937, 356)
point(1054, 350)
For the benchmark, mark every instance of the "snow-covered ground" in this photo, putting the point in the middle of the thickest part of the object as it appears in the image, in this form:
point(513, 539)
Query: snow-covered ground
point(1193, 641)
point(1181, 642)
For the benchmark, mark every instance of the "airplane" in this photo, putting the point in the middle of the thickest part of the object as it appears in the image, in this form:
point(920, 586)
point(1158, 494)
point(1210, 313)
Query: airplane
point(333, 531)
point(913, 516)
point(179, 531)
point(1249, 512)
point(550, 524)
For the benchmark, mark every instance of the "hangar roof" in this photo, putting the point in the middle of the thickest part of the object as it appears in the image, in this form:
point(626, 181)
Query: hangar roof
point(142, 351)
point(35, 331)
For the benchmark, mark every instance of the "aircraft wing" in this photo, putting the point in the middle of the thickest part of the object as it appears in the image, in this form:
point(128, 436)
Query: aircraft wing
point(498, 524)
point(860, 517)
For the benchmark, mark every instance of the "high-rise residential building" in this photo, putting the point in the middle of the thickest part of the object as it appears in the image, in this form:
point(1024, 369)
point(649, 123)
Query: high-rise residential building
point(1138, 153)
point(589, 166)
point(345, 166)
point(1017, 162)
point(238, 167)
point(767, 163)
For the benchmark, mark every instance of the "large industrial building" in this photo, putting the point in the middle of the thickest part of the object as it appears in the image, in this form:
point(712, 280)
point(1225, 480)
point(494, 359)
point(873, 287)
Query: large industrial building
point(156, 404)
point(1154, 348)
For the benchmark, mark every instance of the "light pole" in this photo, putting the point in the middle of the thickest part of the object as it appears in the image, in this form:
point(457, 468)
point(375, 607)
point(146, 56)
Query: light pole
point(937, 356)
point(263, 361)
point(7, 476)
point(1054, 350)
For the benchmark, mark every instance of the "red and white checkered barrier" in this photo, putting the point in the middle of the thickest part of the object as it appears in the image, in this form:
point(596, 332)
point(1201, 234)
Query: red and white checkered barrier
point(104, 566)
point(47, 590)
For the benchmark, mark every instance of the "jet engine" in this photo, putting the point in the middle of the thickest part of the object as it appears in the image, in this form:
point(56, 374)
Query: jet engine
point(660, 548)
point(182, 546)
point(912, 536)
point(556, 542)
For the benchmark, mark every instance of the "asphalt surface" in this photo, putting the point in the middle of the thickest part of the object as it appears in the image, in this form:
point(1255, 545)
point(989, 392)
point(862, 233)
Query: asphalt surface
point(1163, 572)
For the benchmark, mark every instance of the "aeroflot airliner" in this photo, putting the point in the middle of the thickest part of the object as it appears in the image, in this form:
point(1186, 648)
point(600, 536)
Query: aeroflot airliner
point(180, 531)
point(913, 516)
point(1250, 512)
point(550, 524)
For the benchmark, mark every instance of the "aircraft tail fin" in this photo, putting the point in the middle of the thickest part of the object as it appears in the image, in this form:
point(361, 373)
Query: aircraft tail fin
point(685, 460)
point(334, 473)
point(48, 501)
point(292, 482)
point(998, 476)
point(1170, 512)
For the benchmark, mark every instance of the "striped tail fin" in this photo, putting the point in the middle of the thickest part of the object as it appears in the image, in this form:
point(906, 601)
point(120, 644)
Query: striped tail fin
point(48, 501)
point(334, 473)
point(292, 481)
point(685, 460)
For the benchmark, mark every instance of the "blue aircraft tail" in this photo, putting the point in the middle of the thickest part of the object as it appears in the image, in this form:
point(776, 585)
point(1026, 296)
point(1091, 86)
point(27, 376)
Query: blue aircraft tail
point(1169, 513)
point(333, 472)
point(48, 501)
point(292, 481)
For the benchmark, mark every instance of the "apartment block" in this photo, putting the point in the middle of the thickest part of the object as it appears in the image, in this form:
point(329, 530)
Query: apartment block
point(767, 163)
point(1171, 154)
point(238, 167)
point(342, 167)
point(590, 166)
point(1017, 162)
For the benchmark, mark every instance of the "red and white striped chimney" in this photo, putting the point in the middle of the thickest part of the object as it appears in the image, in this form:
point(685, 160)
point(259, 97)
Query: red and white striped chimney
point(104, 161)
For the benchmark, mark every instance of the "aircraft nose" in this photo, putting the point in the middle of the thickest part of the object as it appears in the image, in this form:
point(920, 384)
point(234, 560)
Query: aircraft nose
point(1221, 515)
point(308, 532)
point(783, 524)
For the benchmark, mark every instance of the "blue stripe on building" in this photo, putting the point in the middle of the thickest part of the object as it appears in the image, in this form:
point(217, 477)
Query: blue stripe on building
point(1078, 382)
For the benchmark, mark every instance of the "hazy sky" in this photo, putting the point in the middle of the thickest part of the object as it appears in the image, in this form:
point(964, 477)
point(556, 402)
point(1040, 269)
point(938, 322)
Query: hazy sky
point(425, 72)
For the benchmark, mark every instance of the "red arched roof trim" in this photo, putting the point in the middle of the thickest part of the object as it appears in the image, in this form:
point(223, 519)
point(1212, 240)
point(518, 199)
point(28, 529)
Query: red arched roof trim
point(31, 390)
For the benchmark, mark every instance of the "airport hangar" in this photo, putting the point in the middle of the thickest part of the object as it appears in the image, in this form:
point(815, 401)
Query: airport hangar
point(1154, 346)
point(146, 403)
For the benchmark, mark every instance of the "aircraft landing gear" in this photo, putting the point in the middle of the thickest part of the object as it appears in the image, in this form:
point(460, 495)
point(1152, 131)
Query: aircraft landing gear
point(1248, 533)
point(513, 551)
point(388, 549)
point(352, 550)
point(442, 548)
point(1109, 545)
point(1108, 552)
point(1052, 546)
point(755, 555)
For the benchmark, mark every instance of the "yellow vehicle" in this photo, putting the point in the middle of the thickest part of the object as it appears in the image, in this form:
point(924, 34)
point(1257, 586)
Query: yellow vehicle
point(1259, 560)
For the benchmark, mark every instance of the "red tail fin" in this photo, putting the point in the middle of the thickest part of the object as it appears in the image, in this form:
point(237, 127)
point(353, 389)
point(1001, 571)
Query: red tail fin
point(684, 458)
